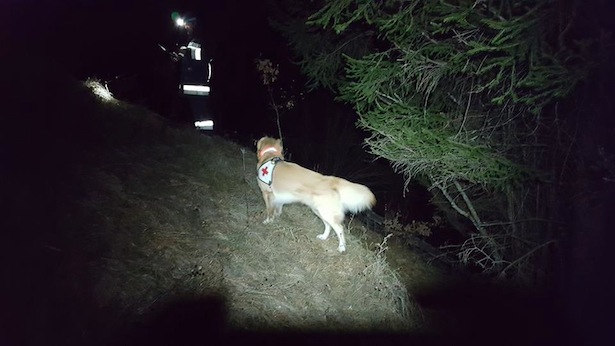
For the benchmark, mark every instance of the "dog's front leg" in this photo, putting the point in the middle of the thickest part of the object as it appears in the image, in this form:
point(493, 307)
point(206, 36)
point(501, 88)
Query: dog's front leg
point(277, 210)
point(269, 206)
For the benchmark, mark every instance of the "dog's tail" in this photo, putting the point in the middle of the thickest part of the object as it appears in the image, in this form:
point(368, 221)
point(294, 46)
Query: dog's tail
point(355, 197)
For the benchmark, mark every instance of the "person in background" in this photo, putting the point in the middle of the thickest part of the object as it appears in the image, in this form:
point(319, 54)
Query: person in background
point(195, 76)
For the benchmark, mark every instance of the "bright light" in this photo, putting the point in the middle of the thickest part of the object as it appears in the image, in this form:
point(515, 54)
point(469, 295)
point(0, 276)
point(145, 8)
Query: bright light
point(196, 89)
point(204, 124)
point(180, 22)
point(99, 90)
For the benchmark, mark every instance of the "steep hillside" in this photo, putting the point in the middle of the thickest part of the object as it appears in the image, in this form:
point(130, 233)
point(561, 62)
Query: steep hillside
point(120, 228)
point(128, 229)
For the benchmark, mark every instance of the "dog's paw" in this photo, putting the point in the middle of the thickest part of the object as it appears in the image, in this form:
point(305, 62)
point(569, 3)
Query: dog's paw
point(268, 220)
point(321, 237)
point(341, 248)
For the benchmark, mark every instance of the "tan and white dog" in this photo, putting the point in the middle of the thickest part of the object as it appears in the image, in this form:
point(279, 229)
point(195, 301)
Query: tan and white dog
point(329, 197)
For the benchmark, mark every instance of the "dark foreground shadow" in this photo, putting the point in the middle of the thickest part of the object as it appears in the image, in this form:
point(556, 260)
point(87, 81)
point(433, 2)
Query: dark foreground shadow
point(459, 314)
point(199, 321)
point(485, 313)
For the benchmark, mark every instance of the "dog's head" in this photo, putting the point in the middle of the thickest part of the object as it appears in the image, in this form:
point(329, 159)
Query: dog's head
point(268, 147)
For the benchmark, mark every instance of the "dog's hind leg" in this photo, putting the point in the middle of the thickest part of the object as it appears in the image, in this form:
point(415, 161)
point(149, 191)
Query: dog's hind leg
point(339, 230)
point(335, 222)
point(324, 234)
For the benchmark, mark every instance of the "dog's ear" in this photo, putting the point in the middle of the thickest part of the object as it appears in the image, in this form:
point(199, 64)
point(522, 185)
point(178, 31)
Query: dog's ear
point(278, 143)
point(258, 143)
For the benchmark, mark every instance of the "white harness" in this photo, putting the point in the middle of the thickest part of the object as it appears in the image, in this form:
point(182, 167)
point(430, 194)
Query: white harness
point(265, 171)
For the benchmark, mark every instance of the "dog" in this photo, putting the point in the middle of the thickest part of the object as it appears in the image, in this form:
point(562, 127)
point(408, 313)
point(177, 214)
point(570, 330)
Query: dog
point(329, 197)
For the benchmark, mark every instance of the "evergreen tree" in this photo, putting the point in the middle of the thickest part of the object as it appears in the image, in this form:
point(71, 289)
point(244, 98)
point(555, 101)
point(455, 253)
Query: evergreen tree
point(461, 96)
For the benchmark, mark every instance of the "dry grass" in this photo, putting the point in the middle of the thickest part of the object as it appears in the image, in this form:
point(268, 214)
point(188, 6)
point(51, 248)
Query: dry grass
point(184, 220)
point(149, 216)
point(125, 231)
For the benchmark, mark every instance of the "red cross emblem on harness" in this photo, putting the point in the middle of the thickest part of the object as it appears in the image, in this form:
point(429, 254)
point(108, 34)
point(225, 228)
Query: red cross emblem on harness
point(265, 171)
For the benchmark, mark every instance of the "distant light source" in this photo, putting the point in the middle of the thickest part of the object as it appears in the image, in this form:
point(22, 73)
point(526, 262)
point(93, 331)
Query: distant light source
point(204, 124)
point(99, 89)
point(196, 89)
point(180, 21)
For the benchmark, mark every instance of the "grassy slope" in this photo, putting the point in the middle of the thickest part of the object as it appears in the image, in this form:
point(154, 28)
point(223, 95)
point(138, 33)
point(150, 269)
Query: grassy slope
point(119, 229)
point(127, 229)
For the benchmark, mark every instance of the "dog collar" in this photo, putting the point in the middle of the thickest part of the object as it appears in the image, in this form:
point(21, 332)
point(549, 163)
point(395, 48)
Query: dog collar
point(266, 150)
point(265, 171)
